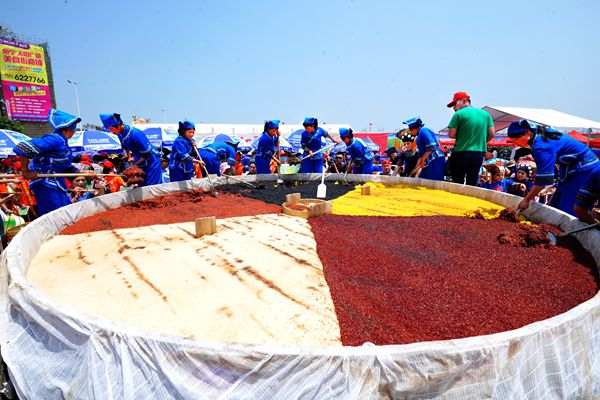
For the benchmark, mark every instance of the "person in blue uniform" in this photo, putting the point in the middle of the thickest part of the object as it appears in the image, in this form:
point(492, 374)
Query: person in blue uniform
point(311, 142)
point(183, 153)
point(267, 148)
point(586, 197)
point(216, 153)
point(431, 162)
point(49, 154)
point(136, 145)
point(549, 147)
point(361, 158)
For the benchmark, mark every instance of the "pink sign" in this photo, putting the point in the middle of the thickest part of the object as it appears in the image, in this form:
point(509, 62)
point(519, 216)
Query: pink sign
point(26, 102)
point(24, 81)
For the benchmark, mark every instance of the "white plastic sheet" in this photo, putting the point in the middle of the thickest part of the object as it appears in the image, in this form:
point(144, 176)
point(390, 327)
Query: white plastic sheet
point(55, 352)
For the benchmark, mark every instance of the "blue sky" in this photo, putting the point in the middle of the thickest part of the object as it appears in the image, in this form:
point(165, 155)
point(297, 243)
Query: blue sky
point(355, 62)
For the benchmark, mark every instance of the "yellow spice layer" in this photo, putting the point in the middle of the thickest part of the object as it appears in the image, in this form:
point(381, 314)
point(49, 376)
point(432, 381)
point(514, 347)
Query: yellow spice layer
point(411, 201)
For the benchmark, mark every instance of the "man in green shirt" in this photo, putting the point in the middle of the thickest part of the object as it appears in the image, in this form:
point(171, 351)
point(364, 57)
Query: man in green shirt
point(472, 128)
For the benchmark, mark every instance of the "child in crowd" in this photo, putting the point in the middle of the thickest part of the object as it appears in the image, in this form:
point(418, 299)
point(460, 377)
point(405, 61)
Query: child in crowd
point(496, 179)
point(522, 181)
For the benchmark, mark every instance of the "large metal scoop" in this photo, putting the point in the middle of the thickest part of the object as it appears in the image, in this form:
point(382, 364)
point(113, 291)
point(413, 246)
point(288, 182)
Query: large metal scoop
point(555, 238)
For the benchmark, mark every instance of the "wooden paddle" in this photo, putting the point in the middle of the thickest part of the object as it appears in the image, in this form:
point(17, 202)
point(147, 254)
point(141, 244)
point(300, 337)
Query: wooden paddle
point(58, 175)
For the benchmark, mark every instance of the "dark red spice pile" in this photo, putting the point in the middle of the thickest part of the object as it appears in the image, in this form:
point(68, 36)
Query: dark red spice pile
point(170, 209)
point(397, 280)
point(526, 236)
point(134, 175)
point(509, 214)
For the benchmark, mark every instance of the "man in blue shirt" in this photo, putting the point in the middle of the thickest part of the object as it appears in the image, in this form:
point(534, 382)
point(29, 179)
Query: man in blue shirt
point(432, 162)
point(49, 154)
point(361, 158)
point(136, 144)
point(311, 142)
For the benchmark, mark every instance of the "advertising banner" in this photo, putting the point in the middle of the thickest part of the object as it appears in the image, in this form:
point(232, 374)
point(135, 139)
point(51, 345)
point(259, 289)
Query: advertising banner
point(24, 81)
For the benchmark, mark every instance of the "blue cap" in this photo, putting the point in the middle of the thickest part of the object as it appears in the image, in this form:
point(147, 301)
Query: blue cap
point(346, 132)
point(517, 128)
point(272, 124)
point(310, 121)
point(109, 120)
point(60, 120)
point(185, 125)
point(414, 123)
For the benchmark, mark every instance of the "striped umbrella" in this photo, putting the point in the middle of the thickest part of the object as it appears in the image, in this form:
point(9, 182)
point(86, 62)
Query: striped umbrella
point(8, 140)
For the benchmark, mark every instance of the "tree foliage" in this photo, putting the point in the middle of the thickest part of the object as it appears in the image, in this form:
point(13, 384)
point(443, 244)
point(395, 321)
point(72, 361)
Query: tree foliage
point(6, 123)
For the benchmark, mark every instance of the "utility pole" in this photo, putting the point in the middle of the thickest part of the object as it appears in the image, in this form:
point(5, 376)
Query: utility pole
point(76, 96)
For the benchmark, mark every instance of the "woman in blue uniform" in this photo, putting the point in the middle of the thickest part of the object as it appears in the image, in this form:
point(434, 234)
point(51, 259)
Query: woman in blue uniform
point(136, 144)
point(267, 147)
point(216, 153)
point(183, 153)
point(47, 155)
point(549, 147)
point(311, 142)
point(587, 196)
point(432, 162)
point(361, 157)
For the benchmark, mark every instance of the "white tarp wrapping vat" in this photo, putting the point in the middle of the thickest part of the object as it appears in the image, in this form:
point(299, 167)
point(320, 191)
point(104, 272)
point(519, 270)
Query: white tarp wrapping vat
point(55, 351)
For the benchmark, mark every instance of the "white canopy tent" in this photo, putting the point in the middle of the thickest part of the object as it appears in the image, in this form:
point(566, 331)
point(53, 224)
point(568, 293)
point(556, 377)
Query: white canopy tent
point(503, 116)
point(243, 130)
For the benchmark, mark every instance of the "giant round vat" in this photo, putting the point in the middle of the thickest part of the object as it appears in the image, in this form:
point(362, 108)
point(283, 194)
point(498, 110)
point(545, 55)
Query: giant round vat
point(57, 351)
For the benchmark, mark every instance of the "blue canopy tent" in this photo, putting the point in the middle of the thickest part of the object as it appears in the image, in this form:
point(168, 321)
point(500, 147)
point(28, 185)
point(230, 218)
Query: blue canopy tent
point(160, 137)
point(341, 146)
point(294, 139)
point(8, 140)
point(283, 144)
point(243, 144)
point(88, 141)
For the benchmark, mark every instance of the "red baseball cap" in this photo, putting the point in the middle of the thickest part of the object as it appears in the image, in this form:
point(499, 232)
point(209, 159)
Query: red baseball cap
point(86, 157)
point(458, 96)
point(107, 164)
point(17, 165)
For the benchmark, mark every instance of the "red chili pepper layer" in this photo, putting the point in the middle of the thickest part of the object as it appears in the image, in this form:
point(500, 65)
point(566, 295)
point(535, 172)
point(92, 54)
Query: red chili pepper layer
point(397, 280)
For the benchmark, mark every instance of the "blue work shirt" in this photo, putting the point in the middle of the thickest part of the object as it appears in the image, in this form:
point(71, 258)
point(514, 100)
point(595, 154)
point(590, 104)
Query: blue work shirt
point(135, 141)
point(427, 141)
point(358, 152)
point(572, 156)
point(590, 192)
point(224, 151)
point(313, 141)
point(267, 145)
point(216, 153)
point(48, 154)
point(182, 155)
